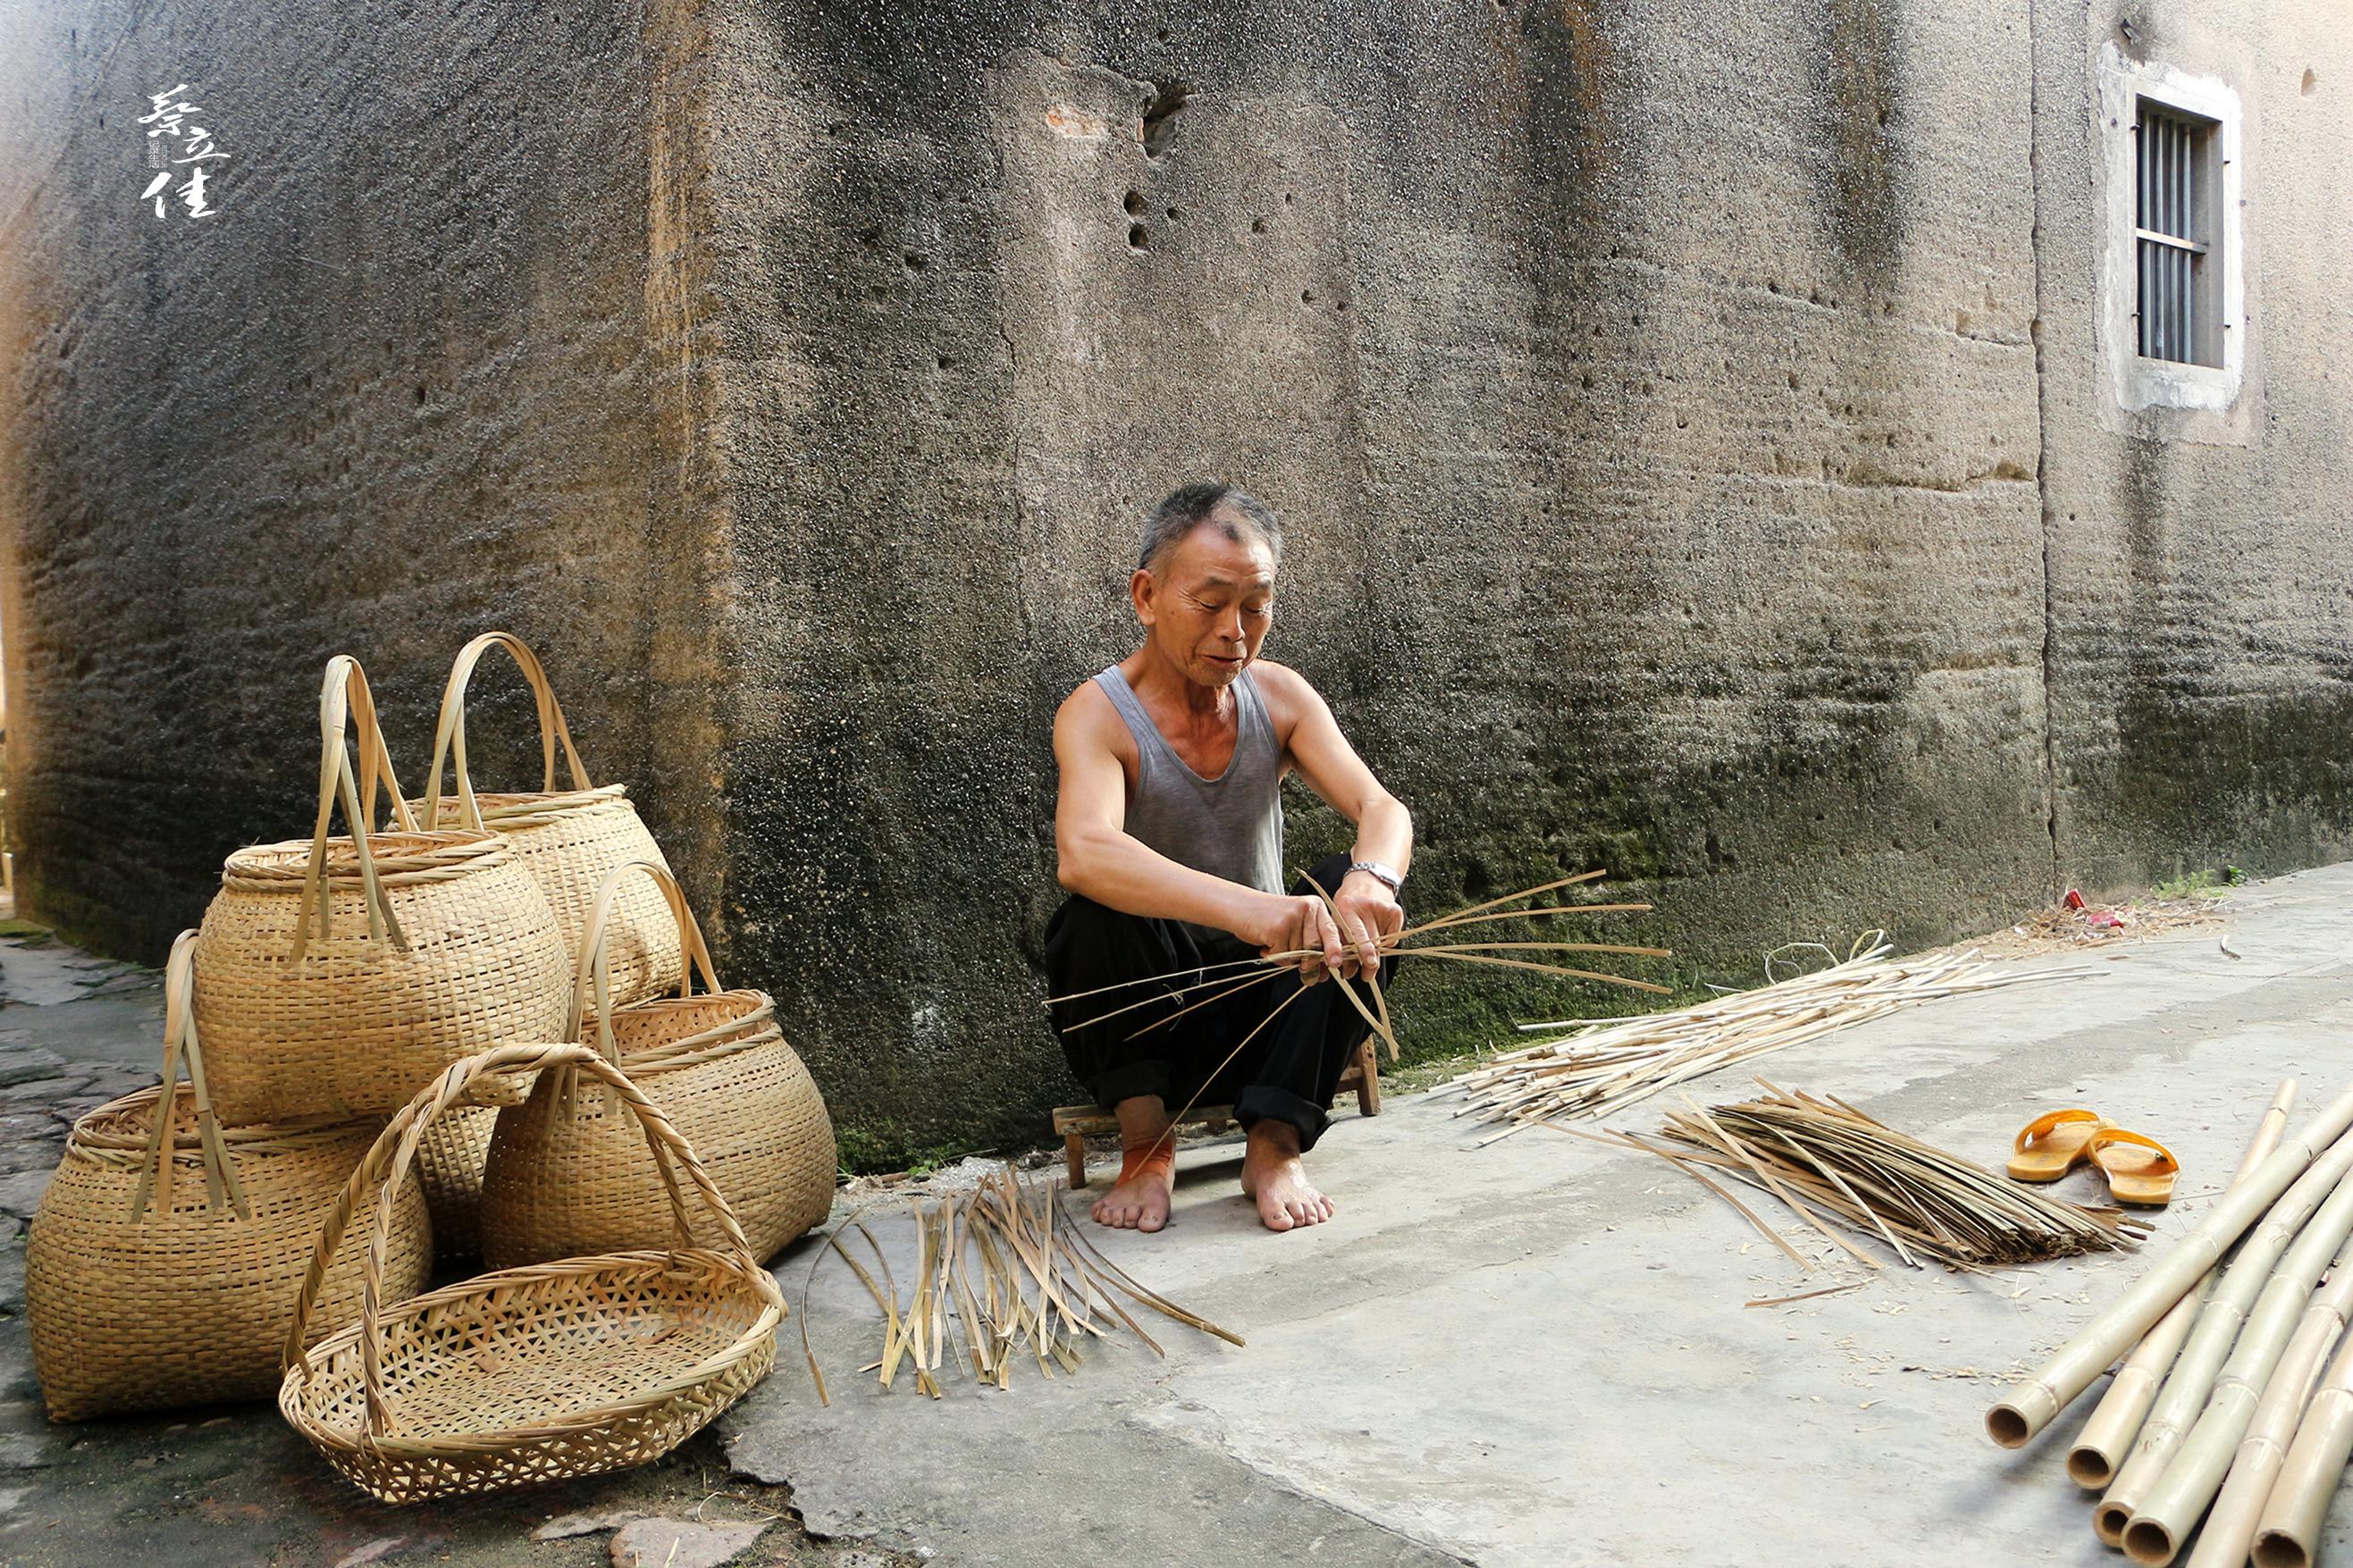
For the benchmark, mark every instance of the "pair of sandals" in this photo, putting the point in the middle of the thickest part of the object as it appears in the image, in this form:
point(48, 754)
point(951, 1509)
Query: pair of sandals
point(2141, 1170)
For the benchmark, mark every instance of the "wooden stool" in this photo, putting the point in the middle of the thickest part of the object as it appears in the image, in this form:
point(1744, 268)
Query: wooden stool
point(1077, 1123)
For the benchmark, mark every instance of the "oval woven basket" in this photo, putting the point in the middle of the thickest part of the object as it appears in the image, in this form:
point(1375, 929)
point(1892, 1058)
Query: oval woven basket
point(450, 1164)
point(167, 1252)
point(335, 976)
point(566, 1173)
point(534, 1374)
point(568, 840)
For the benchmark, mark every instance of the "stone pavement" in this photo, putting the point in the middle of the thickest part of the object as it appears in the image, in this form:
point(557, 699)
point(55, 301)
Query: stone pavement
point(1537, 1354)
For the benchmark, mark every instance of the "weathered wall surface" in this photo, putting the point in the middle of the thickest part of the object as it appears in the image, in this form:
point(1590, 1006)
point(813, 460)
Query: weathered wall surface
point(2201, 647)
point(1650, 391)
point(418, 377)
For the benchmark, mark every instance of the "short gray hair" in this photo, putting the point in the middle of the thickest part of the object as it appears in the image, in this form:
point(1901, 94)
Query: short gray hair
point(1189, 507)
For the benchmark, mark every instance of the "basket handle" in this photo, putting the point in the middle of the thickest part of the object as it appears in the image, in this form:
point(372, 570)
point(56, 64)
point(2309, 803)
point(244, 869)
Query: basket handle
point(344, 698)
point(592, 986)
point(179, 1042)
point(389, 1161)
point(449, 733)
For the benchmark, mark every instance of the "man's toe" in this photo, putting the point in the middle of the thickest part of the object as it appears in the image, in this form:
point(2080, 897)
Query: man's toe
point(1151, 1219)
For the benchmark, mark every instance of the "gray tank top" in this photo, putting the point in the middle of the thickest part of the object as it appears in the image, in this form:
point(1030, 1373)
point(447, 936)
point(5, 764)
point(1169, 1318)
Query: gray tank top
point(1230, 827)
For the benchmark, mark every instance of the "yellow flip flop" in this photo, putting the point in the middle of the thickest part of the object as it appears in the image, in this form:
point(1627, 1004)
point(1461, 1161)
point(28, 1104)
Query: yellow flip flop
point(2139, 1169)
point(2053, 1143)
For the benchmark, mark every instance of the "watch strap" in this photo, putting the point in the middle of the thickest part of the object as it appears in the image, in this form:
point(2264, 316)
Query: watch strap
point(1385, 875)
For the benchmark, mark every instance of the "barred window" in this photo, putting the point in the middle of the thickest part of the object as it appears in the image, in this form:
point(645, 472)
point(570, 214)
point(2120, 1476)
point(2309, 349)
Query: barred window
point(2178, 309)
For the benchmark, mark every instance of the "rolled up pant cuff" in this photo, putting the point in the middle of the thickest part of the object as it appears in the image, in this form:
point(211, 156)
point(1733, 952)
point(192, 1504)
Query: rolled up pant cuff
point(1130, 1080)
point(1266, 1101)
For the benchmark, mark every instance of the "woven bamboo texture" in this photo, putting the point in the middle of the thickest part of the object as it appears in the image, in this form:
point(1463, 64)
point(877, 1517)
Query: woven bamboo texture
point(167, 1252)
point(567, 1173)
point(338, 975)
point(533, 1374)
point(449, 1168)
point(568, 840)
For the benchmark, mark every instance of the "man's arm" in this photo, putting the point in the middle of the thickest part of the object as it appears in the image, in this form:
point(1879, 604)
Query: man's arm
point(1096, 857)
point(1329, 765)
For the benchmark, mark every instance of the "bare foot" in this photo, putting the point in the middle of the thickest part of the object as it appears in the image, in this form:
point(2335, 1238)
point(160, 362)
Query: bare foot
point(1140, 1201)
point(1147, 1174)
point(1274, 1179)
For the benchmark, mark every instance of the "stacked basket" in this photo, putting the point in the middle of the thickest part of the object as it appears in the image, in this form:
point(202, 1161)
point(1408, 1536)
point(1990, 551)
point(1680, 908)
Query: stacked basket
point(420, 969)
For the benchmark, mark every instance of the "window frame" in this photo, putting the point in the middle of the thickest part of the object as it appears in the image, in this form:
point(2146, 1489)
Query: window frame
point(2210, 383)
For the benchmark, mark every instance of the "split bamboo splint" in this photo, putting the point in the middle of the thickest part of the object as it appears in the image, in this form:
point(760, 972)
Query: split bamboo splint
point(2030, 1405)
point(2100, 1449)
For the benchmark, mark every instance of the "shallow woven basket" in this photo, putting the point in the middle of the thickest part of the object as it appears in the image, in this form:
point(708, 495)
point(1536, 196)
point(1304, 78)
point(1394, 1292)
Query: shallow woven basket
point(338, 975)
point(449, 1168)
point(167, 1252)
point(566, 1173)
point(568, 840)
point(533, 1374)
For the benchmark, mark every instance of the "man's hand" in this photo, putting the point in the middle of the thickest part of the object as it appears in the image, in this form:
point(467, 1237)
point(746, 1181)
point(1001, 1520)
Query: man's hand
point(1368, 912)
point(1303, 926)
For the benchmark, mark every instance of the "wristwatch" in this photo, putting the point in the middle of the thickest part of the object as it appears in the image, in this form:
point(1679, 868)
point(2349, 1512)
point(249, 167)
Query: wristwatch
point(1385, 875)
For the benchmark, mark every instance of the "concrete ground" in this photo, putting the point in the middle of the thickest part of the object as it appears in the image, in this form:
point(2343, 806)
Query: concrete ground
point(1536, 1354)
point(1531, 1354)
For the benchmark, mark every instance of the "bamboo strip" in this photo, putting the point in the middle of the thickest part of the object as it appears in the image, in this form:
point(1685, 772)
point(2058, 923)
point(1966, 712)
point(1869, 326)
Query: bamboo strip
point(2108, 1436)
point(2203, 1356)
point(2030, 1407)
point(2177, 1499)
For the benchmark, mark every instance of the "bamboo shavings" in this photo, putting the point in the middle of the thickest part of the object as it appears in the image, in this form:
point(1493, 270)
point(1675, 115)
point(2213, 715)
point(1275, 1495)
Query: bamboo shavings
point(1604, 1066)
point(1829, 1161)
point(1002, 1276)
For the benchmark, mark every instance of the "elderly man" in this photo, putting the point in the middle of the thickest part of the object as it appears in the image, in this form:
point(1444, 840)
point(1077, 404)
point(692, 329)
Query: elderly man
point(1169, 833)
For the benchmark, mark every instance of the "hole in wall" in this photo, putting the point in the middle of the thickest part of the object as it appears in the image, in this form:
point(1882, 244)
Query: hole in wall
point(1133, 204)
point(1138, 238)
point(1160, 117)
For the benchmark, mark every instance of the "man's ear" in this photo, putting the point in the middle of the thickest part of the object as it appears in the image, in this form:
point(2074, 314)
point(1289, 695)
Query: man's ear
point(1140, 590)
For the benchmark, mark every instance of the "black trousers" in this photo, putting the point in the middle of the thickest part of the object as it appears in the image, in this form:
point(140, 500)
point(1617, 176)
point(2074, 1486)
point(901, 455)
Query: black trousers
point(1288, 1071)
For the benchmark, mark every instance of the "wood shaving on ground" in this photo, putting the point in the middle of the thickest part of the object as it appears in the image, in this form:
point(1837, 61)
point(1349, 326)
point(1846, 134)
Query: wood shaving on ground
point(1600, 1068)
point(1002, 1275)
point(2059, 929)
point(1838, 1169)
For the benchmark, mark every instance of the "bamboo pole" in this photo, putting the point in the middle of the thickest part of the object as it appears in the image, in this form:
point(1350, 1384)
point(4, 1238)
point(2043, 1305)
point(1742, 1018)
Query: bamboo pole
point(2192, 1382)
point(2175, 1501)
point(2030, 1407)
point(2108, 1436)
point(2229, 1532)
point(2287, 1535)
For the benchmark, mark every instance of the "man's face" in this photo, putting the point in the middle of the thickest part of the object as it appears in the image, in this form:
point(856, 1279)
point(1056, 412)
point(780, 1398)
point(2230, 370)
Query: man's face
point(1209, 602)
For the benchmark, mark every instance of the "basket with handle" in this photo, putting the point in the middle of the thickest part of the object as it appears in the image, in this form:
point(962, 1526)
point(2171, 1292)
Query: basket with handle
point(168, 1251)
point(566, 1174)
point(335, 975)
point(449, 1168)
point(525, 1375)
point(567, 840)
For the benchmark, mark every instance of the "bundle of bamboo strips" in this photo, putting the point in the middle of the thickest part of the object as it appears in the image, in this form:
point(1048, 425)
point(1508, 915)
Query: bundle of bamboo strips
point(1010, 1274)
point(1825, 1159)
point(2237, 1422)
point(1606, 1067)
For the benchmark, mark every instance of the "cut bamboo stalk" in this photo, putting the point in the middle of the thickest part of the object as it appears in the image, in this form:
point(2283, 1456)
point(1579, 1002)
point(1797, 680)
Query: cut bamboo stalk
point(2100, 1449)
point(2178, 1497)
point(2228, 1535)
point(2030, 1405)
point(2287, 1535)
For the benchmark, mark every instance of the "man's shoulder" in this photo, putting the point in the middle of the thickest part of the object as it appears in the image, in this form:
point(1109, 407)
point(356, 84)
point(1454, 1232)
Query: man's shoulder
point(1287, 693)
point(1088, 716)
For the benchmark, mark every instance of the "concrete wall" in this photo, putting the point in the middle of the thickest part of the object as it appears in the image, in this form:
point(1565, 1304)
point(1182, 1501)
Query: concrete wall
point(1656, 394)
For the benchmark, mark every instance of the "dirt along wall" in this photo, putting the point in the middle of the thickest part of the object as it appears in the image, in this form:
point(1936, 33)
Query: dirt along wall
point(1650, 392)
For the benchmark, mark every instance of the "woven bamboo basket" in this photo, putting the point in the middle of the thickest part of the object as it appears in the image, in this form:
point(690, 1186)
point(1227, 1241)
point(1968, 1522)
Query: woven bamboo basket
point(449, 1168)
point(335, 976)
point(567, 1173)
point(533, 1374)
point(567, 840)
point(166, 1253)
